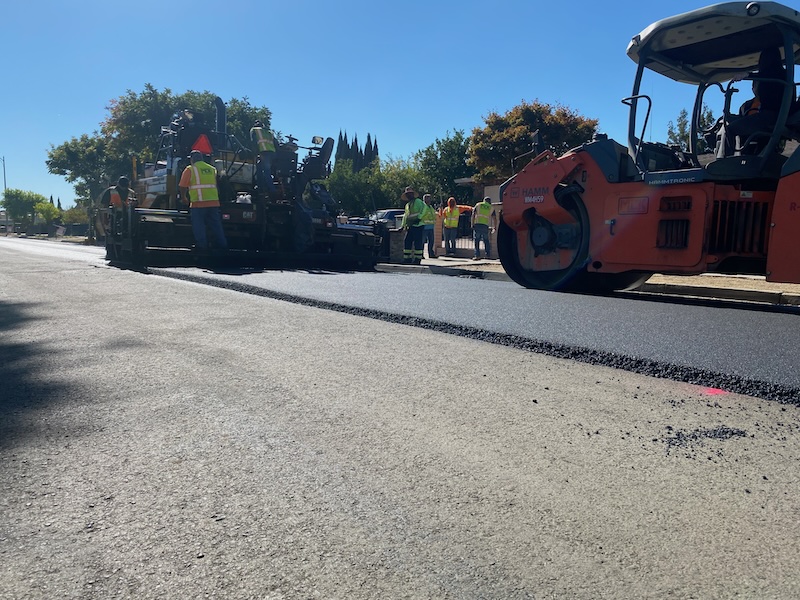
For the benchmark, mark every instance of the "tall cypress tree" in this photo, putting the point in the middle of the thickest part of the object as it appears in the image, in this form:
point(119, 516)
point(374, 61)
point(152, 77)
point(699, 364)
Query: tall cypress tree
point(368, 157)
point(354, 153)
point(338, 154)
point(359, 157)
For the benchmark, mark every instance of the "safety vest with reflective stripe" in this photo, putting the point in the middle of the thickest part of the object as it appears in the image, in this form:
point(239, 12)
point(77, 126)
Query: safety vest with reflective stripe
point(264, 139)
point(412, 214)
point(203, 185)
point(451, 217)
point(428, 216)
point(116, 200)
point(483, 211)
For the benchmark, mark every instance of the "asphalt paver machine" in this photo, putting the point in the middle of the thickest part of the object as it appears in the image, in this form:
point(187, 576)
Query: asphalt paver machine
point(297, 223)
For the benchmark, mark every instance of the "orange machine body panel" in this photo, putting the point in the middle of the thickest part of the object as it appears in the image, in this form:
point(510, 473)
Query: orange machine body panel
point(783, 262)
point(685, 227)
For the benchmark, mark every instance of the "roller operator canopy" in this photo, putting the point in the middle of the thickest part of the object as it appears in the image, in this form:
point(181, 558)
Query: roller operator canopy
point(715, 43)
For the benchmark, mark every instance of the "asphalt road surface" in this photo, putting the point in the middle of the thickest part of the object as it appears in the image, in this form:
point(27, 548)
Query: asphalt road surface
point(743, 350)
point(165, 439)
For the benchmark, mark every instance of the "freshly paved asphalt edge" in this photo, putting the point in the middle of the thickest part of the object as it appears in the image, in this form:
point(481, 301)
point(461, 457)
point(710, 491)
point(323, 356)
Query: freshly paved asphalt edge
point(723, 293)
point(454, 268)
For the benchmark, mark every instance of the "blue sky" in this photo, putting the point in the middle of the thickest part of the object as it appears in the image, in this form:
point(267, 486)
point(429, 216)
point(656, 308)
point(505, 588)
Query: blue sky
point(405, 72)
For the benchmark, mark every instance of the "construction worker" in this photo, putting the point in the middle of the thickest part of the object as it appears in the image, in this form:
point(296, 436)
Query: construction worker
point(118, 195)
point(758, 115)
point(482, 215)
point(451, 214)
point(198, 186)
point(265, 144)
point(115, 198)
point(428, 220)
point(413, 227)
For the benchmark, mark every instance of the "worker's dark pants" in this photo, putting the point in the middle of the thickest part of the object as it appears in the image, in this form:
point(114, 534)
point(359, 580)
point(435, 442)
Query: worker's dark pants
point(450, 234)
point(211, 218)
point(415, 238)
point(430, 238)
point(481, 232)
point(265, 170)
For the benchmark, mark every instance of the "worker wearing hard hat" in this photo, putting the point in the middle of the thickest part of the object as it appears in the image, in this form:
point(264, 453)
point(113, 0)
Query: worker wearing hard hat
point(265, 144)
point(198, 187)
point(482, 215)
point(412, 246)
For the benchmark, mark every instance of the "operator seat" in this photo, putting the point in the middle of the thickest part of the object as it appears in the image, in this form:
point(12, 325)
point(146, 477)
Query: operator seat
point(315, 166)
point(745, 133)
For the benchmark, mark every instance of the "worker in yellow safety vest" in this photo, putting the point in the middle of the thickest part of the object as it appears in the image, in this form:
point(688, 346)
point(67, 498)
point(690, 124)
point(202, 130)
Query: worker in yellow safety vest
point(482, 215)
point(428, 219)
point(451, 215)
point(265, 145)
point(412, 224)
point(198, 187)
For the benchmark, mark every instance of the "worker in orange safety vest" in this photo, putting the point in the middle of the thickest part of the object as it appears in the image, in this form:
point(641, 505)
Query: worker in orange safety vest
point(115, 198)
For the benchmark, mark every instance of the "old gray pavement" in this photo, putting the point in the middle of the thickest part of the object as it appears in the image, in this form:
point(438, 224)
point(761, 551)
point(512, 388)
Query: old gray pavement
point(163, 439)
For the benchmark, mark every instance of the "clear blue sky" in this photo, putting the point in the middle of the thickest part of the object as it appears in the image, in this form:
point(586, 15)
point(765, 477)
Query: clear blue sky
point(406, 72)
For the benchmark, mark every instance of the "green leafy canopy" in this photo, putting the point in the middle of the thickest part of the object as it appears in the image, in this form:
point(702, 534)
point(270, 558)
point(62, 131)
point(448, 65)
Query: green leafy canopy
point(507, 136)
point(132, 129)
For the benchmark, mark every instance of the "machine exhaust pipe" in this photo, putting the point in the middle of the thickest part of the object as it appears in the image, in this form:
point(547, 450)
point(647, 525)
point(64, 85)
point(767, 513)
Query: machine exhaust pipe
point(222, 115)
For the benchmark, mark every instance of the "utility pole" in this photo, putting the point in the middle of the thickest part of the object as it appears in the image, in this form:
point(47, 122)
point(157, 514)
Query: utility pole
point(4, 191)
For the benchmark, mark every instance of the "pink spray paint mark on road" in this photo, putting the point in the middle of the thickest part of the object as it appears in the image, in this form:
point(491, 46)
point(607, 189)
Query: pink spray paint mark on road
point(714, 392)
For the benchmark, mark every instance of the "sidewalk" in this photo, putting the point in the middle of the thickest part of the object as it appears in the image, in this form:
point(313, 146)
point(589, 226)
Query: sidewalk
point(749, 288)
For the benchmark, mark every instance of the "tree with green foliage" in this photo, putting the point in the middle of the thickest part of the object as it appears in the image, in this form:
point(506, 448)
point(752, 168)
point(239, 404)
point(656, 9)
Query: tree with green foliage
point(396, 175)
point(47, 211)
point(21, 205)
point(86, 163)
point(76, 214)
point(354, 190)
point(132, 129)
point(443, 162)
point(374, 187)
point(679, 133)
point(507, 136)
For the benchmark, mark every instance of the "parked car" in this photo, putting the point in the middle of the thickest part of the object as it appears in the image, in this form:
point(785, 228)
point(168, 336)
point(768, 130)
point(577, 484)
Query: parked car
point(387, 215)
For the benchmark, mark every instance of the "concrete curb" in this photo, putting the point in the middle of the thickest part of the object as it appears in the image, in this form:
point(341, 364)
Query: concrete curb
point(759, 296)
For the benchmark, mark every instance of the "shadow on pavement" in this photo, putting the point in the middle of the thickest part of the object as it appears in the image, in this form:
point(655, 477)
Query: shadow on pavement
point(26, 382)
